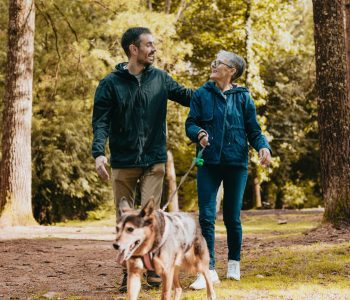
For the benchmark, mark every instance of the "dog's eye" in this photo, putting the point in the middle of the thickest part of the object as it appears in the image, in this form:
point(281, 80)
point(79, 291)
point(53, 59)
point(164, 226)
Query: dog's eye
point(129, 229)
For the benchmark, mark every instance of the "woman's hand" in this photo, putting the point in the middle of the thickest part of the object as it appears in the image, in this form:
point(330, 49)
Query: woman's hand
point(203, 138)
point(264, 156)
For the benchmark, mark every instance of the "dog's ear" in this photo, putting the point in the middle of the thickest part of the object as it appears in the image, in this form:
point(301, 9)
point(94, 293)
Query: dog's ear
point(148, 208)
point(123, 210)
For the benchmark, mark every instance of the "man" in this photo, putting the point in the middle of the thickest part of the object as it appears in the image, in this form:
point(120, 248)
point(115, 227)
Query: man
point(130, 110)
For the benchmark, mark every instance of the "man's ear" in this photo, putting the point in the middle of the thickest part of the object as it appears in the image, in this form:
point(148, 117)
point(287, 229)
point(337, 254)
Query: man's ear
point(133, 49)
point(148, 208)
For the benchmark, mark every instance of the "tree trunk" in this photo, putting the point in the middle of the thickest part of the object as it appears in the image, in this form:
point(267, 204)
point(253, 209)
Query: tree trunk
point(248, 42)
point(332, 42)
point(149, 4)
point(219, 197)
point(15, 170)
point(167, 6)
point(257, 193)
point(171, 183)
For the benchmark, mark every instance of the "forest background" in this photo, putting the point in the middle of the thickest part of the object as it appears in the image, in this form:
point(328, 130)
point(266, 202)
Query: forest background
point(77, 43)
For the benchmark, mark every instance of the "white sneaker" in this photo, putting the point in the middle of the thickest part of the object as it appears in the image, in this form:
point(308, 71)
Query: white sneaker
point(199, 283)
point(233, 270)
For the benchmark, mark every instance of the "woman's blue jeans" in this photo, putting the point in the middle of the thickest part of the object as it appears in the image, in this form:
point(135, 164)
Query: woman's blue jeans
point(209, 178)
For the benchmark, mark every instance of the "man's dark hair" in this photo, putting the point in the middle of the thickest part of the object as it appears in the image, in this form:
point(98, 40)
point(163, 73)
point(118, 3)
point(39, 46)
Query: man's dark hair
point(132, 36)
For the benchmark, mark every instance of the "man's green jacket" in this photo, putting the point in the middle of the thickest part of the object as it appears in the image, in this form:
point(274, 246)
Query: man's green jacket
point(132, 115)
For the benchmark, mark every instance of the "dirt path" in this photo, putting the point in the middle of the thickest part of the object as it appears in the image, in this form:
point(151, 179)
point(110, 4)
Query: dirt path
point(81, 262)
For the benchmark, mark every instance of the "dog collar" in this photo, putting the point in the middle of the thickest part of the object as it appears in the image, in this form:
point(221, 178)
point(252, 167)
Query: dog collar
point(147, 260)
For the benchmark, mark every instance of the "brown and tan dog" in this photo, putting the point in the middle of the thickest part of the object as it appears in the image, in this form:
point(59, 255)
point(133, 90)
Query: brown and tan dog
point(164, 242)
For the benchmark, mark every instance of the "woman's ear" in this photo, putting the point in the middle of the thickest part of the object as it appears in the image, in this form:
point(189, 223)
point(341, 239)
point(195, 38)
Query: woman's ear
point(234, 71)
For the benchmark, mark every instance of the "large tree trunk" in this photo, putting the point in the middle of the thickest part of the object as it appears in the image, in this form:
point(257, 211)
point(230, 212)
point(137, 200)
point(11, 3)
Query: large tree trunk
point(249, 82)
point(332, 41)
point(15, 171)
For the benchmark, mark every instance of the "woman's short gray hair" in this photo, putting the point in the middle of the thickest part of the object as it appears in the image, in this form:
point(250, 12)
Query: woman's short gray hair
point(235, 61)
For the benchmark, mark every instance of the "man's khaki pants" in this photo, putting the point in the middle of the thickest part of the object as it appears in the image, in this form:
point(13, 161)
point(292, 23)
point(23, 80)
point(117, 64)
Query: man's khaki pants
point(124, 183)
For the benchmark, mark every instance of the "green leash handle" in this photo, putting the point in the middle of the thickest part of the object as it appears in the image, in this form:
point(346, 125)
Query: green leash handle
point(198, 160)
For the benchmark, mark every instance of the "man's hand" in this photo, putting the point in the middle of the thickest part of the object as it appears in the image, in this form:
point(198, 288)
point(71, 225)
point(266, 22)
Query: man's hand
point(264, 156)
point(101, 162)
point(203, 139)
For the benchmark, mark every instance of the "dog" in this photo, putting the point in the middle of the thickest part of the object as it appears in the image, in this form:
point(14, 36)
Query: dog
point(165, 242)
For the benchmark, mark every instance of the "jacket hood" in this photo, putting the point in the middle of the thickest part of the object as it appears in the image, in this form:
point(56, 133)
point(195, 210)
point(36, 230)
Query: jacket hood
point(210, 85)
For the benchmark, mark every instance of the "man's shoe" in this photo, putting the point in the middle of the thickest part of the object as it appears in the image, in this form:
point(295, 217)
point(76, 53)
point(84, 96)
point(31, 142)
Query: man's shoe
point(153, 279)
point(199, 283)
point(124, 285)
point(233, 270)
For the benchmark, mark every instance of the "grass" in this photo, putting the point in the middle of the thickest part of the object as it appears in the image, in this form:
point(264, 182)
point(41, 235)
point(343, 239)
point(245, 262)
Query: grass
point(320, 271)
point(317, 271)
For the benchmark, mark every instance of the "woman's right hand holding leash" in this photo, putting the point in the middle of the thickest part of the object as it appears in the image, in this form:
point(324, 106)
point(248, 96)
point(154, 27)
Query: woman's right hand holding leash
point(203, 138)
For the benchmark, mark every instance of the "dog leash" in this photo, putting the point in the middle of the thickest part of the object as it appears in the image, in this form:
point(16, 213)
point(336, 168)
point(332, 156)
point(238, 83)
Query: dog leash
point(197, 161)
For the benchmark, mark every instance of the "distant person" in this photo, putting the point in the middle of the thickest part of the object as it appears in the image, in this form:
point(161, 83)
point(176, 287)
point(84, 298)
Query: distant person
point(222, 118)
point(130, 109)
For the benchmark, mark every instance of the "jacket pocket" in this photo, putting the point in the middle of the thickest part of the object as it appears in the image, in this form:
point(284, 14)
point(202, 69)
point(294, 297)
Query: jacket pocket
point(241, 141)
point(239, 138)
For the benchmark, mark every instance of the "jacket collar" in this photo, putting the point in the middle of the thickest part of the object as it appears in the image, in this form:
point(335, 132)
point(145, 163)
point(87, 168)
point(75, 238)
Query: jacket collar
point(121, 70)
point(210, 86)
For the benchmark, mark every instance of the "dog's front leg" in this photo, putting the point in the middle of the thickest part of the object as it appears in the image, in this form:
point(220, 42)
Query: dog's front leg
point(134, 279)
point(134, 285)
point(177, 285)
point(167, 283)
point(210, 289)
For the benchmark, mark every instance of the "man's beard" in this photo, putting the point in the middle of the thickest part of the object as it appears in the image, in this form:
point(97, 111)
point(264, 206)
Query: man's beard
point(145, 62)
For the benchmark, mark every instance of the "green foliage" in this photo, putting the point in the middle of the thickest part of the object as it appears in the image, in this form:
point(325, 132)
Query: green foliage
point(289, 77)
point(211, 26)
point(294, 196)
point(77, 44)
point(81, 47)
point(275, 37)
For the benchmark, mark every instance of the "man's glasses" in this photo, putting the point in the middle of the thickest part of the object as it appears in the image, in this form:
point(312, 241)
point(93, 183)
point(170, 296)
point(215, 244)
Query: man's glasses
point(215, 63)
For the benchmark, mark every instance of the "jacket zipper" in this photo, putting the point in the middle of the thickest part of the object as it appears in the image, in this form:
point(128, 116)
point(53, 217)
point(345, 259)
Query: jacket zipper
point(223, 129)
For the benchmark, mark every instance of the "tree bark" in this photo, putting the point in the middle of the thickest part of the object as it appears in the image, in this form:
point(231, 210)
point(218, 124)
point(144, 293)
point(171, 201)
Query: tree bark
point(15, 170)
point(248, 42)
point(149, 4)
point(219, 197)
point(257, 193)
point(332, 43)
point(171, 183)
point(167, 6)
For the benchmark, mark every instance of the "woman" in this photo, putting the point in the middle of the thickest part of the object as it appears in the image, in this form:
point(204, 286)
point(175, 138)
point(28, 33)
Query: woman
point(222, 118)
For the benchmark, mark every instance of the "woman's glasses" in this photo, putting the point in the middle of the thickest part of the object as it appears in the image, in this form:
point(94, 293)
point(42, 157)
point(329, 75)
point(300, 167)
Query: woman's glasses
point(215, 63)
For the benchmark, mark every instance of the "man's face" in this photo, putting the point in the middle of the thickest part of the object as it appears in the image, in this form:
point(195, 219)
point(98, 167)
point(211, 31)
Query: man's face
point(146, 51)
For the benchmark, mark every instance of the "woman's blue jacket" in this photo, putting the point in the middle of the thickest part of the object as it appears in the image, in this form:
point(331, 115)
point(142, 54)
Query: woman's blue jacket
point(230, 123)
